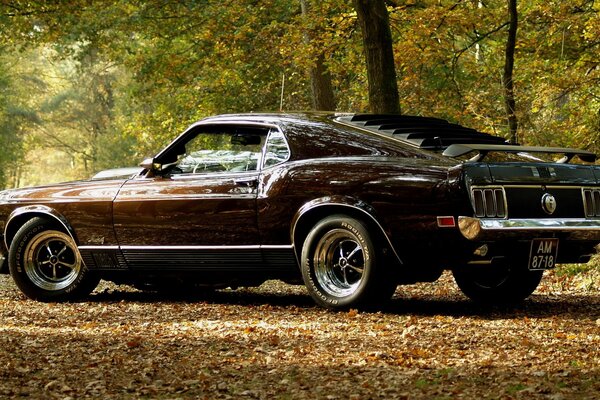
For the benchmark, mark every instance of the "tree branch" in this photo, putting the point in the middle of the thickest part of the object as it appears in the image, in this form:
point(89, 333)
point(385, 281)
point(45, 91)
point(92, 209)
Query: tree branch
point(62, 144)
point(479, 38)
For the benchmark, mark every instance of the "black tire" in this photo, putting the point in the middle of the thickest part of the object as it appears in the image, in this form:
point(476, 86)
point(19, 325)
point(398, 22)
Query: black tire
point(340, 265)
point(45, 264)
point(498, 284)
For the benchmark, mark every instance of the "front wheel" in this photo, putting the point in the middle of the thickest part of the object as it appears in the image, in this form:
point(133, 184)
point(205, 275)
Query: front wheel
point(497, 284)
point(45, 264)
point(340, 265)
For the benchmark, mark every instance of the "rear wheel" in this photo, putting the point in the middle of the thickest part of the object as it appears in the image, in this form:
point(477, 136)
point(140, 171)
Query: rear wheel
point(340, 265)
point(498, 284)
point(45, 264)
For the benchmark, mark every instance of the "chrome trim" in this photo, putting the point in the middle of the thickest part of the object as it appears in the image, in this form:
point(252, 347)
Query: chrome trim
point(264, 150)
point(594, 193)
point(228, 121)
point(277, 246)
point(491, 188)
point(339, 263)
point(210, 121)
point(548, 203)
point(480, 228)
point(186, 197)
point(215, 175)
point(238, 247)
point(98, 247)
point(46, 265)
point(441, 217)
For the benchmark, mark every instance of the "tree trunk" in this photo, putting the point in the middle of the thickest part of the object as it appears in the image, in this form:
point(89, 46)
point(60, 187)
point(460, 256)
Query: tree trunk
point(374, 23)
point(322, 88)
point(507, 77)
point(323, 98)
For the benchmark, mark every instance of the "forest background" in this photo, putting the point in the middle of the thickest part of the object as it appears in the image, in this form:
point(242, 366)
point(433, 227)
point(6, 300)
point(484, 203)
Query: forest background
point(89, 85)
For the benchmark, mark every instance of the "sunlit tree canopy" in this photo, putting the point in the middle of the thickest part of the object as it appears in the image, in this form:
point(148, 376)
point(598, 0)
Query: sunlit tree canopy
point(88, 85)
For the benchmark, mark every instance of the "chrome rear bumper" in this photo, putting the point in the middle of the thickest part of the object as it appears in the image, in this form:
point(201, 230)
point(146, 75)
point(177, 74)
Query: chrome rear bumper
point(482, 228)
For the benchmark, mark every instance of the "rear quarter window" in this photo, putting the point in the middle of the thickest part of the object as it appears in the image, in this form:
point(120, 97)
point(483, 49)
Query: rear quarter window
point(323, 140)
point(276, 149)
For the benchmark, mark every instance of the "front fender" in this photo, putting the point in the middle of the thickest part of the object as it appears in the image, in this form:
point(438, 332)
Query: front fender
point(21, 215)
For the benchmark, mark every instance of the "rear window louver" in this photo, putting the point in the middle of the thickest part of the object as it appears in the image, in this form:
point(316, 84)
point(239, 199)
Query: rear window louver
point(423, 132)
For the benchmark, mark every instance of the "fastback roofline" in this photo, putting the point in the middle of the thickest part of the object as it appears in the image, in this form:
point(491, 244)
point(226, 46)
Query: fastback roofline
point(452, 139)
point(422, 132)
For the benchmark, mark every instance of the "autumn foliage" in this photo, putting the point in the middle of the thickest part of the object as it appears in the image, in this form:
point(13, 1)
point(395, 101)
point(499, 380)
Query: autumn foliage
point(104, 84)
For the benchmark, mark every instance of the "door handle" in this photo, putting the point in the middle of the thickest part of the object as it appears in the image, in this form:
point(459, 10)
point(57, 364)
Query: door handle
point(246, 182)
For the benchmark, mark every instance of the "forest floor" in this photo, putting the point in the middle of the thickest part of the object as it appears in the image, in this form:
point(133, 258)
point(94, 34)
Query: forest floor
point(273, 342)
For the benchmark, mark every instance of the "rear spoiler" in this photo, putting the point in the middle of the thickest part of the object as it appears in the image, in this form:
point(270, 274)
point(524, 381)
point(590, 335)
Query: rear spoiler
point(457, 150)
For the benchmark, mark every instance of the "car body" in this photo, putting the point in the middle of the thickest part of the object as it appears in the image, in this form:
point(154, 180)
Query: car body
point(351, 205)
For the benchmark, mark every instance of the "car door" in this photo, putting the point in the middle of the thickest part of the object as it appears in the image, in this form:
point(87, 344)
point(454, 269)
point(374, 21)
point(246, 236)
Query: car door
point(199, 212)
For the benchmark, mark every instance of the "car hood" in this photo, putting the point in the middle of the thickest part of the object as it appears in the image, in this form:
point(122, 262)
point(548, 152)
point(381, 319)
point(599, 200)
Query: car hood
point(88, 190)
point(118, 173)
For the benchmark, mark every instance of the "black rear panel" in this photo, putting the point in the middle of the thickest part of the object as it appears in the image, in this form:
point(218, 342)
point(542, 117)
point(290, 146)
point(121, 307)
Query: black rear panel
point(526, 202)
point(517, 190)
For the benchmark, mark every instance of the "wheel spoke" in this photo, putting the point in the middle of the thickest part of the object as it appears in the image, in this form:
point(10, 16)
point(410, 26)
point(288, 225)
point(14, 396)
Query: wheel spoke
point(70, 266)
point(357, 269)
point(353, 252)
point(62, 251)
point(344, 275)
point(54, 272)
point(49, 250)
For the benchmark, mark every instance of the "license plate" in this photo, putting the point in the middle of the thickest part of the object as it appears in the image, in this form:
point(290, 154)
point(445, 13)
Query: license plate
point(543, 254)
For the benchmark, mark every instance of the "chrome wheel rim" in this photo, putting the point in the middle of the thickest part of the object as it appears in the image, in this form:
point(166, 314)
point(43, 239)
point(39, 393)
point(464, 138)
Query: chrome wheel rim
point(52, 261)
point(339, 263)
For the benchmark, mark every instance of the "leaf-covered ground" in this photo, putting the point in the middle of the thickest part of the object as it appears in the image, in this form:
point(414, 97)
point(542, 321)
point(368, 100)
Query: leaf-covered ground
point(272, 342)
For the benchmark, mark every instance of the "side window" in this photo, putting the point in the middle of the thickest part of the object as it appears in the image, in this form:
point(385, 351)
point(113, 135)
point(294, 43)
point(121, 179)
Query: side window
point(222, 150)
point(277, 150)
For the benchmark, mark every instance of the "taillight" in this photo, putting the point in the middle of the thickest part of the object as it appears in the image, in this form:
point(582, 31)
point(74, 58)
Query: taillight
point(489, 202)
point(591, 202)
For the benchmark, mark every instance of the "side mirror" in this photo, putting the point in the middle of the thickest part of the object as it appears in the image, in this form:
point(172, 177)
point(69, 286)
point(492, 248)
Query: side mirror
point(150, 165)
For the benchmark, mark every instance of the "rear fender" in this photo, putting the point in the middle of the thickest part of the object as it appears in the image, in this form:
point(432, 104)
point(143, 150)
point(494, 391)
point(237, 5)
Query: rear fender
point(312, 212)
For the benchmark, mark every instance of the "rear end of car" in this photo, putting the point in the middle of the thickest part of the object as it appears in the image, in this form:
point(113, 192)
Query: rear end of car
point(528, 215)
point(539, 213)
point(505, 213)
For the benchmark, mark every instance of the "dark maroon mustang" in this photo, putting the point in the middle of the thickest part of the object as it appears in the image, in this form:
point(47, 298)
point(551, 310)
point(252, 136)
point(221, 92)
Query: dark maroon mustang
point(350, 205)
